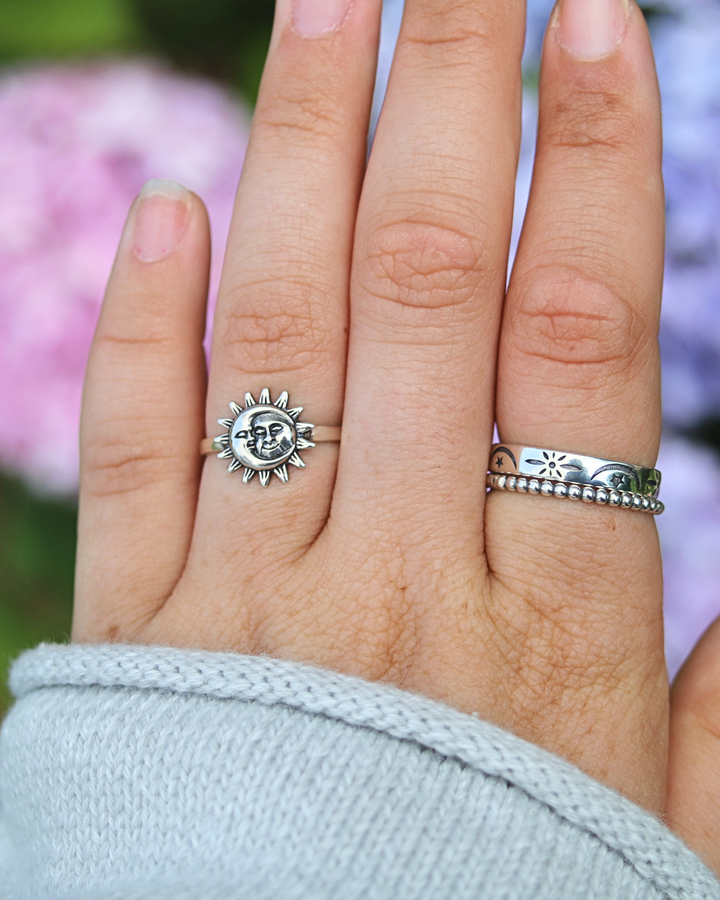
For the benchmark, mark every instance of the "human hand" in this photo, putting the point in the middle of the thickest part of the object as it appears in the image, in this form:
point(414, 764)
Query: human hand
point(377, 299)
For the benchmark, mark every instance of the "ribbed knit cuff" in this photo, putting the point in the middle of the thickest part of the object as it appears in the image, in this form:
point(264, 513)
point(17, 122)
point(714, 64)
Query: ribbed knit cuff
point(151, 772)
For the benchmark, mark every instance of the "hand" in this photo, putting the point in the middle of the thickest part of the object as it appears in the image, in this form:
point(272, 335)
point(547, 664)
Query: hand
point(377, 299)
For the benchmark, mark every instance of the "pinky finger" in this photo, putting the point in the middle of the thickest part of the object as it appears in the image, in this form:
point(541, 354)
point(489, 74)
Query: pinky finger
point(142, 417)
point(693, 800)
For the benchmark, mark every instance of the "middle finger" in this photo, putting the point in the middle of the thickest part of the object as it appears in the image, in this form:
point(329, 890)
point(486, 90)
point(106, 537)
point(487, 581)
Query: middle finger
point(429, 277)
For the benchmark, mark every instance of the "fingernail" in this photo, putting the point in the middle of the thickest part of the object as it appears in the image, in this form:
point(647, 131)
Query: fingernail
point(591, 29)
point(161, 219)
point(315, 17)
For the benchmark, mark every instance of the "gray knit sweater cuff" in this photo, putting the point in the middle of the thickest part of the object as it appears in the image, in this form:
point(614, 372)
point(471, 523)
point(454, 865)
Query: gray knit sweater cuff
point(136, 773)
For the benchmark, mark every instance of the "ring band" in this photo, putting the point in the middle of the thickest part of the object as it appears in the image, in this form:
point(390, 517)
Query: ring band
point(574, 468)
point(321, 434)
point(264, 437)
point(573, 491)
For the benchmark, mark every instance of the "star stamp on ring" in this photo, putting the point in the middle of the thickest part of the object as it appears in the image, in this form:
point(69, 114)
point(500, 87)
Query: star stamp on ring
point(264, 437)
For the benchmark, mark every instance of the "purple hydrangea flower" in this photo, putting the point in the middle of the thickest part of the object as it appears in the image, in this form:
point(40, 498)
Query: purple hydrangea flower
point(78, 143)
point(687, 47)
point(690, 537)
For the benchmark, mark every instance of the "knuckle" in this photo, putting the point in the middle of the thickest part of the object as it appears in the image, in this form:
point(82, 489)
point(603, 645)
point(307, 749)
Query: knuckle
point(464, 33)
point(458, 48)
point(421, 266)
point(280, 333)
point(140, 346)
point(302, 113)
point(575, 322)
point(113, 464)
point(148, 332)
point(591, 118)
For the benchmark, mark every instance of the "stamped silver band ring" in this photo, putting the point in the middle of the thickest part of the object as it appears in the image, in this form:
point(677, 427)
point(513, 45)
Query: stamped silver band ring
point(572, 491)
point(574, 468)
point(265, 437)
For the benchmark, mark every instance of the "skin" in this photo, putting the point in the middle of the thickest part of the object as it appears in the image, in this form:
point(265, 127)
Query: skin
point(386, 310)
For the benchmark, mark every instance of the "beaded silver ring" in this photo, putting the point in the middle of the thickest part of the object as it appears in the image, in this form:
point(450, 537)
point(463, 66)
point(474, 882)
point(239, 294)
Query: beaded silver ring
point(584, 492)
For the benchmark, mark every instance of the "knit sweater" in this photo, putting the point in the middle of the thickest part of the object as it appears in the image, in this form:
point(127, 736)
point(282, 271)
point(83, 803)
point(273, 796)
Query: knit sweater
point(148, 773)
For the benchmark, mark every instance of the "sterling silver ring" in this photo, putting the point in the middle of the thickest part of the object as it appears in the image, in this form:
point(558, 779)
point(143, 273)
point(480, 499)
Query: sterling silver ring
point(265, 437)
point(574, 468)
point(564, 490)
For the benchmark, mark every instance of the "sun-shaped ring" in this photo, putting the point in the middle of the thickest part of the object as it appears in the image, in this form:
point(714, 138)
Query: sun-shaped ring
point(265, 436)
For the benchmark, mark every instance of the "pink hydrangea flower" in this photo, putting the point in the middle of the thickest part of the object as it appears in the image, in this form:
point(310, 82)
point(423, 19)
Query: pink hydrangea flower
point(77, 145)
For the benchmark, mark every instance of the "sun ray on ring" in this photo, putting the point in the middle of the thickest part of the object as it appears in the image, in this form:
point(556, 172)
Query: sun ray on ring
point(264, 437)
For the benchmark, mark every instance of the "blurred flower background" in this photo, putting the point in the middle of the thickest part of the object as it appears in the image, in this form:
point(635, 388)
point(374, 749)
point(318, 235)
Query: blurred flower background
point(97, 96)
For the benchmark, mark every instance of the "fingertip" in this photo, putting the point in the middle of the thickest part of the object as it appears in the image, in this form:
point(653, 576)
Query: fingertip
point(590, 29)
point(595, 36)
point(161, 218)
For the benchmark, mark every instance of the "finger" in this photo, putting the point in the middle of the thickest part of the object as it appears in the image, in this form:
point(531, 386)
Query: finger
point(429, 276)
point(583, 305)
point(142, 417)
point(693, 800)
point(281, 316)
point(579, 371)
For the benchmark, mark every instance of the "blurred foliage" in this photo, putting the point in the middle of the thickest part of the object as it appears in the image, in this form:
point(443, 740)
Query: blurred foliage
point(57, 29)
point(37, 558)
point(223, 39)
point(706, 432)
point(652, 10)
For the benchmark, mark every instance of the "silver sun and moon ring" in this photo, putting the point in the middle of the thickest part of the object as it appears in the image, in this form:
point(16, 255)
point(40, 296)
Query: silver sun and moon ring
point(557, 473)
point(266, 437)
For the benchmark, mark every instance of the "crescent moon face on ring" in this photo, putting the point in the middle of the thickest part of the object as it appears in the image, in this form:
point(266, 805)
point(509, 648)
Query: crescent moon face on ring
point(263, 437)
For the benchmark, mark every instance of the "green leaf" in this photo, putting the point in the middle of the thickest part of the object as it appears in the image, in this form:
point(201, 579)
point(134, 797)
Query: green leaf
point(37, 559)
point(60, 28)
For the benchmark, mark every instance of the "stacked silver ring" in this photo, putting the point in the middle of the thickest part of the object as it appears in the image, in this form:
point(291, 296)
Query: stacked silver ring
point(586, 493)
point(573, 476)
